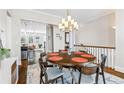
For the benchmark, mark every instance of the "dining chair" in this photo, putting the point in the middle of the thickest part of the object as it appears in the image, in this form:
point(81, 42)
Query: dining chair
point(50, 74)
point(92, 68)
point(43, 59)
point(88, 70)
point(101, 67)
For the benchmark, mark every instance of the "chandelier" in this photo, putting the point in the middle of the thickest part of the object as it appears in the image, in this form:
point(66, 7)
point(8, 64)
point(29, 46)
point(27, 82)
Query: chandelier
point(68, 24)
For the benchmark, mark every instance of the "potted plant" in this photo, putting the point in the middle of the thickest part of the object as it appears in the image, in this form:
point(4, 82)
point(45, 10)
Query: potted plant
point(4, 53)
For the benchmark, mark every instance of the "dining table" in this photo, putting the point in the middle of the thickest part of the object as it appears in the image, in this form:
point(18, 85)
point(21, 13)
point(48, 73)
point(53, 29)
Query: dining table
point(73, 59)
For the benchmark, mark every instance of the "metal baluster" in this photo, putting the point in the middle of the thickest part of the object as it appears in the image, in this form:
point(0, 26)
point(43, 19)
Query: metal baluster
point(107, 58)
point(92, 50)
point(98, 55)
point(114, 59)
point(88, 49)
point(111, 63)
point(105, 49)
point(96, 52)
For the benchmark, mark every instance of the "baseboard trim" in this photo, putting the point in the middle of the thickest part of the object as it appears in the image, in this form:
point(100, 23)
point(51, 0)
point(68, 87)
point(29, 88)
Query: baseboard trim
point(120, 69)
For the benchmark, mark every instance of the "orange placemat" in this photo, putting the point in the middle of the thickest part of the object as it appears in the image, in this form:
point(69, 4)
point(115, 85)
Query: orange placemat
point(79, 59)
point(55, 58)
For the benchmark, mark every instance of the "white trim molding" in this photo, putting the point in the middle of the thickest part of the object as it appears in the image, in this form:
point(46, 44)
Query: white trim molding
point(120, 69)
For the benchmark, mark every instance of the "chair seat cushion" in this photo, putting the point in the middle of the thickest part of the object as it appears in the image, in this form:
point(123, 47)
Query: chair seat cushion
point(91, 65)
point(54, 73)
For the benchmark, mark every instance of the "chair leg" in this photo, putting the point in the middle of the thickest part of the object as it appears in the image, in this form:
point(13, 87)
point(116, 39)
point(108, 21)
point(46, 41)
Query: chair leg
point(103, 77)
point(52, 82)
point(79, 81)
point(62, 80)
point(72, 81)
point(41, 78)
point(40, 81)
point(97, 76)
point(56, 81)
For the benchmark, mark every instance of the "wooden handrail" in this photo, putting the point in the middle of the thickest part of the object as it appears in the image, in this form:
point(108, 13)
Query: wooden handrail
point(94, 46)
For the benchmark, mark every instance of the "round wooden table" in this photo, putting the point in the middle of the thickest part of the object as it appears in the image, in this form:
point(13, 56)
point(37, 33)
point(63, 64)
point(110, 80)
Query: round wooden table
point(67, 60)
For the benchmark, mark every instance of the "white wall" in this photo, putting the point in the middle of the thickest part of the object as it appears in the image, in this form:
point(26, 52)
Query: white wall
point(16, 38)
point(59, 42)
point(3, 29)
point(97, 32)
point(120, 40)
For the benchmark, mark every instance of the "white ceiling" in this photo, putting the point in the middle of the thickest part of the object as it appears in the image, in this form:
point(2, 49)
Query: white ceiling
point(80, 15)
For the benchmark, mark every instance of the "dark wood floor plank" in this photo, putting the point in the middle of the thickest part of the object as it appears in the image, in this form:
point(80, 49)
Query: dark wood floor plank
point(113, 72)
point(23, 72)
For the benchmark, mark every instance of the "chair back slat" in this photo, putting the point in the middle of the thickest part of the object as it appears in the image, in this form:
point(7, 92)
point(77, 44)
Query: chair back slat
point(103, 58)
point(43, 67)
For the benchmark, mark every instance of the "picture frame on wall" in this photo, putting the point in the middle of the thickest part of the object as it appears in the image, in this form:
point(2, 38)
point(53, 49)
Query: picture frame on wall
point(66, 37)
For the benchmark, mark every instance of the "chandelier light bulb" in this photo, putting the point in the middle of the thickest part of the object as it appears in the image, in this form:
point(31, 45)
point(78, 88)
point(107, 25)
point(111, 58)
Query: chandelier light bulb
point(60, 26)
point(77, 27)
point(69, 18)
point(72, 21)
point(63, 20)
point(75, 24)
point(66, 24)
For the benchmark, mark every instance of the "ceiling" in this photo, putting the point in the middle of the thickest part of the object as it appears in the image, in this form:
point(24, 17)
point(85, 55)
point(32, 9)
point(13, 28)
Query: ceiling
point(80, 15)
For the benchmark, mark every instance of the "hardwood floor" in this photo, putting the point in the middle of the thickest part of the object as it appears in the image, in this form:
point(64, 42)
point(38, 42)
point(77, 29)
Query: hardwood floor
point(113, 72)
point(23, 72)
